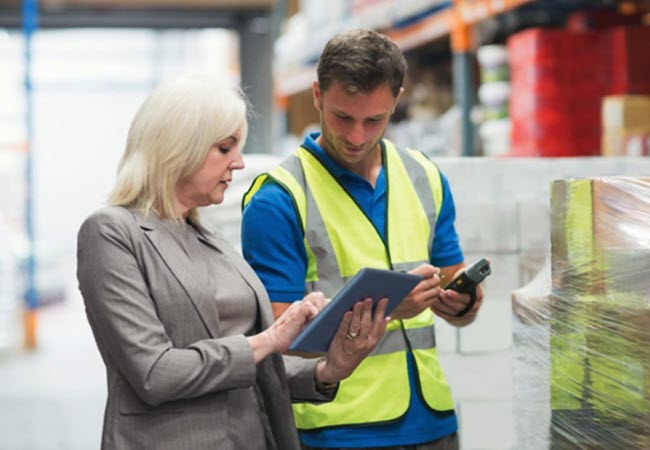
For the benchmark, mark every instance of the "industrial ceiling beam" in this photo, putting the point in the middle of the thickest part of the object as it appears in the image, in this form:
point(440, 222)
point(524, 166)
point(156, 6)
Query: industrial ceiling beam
point(132, 18)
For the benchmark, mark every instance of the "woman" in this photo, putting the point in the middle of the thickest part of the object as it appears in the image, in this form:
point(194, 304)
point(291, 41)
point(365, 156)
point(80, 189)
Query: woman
point(183, 325)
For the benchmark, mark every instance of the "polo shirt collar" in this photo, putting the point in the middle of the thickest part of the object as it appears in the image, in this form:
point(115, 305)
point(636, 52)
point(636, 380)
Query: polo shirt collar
point(332, 166)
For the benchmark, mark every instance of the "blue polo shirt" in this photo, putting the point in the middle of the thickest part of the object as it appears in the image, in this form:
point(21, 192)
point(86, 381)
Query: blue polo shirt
point(272, 243)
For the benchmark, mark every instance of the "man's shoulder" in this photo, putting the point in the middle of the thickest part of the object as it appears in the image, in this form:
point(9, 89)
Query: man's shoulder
point(270, 190)
point(270, 199)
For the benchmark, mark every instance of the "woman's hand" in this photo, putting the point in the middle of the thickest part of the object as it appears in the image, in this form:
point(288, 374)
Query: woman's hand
point(278, 337)
point(359, 332)
point(422, 296)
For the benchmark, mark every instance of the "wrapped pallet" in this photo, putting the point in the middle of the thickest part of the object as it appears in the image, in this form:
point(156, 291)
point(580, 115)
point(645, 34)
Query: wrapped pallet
point(589, 331)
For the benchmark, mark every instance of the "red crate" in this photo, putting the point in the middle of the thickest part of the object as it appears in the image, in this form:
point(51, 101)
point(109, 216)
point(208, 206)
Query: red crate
point(535, 44)
point(597, 19)
point(558, 79)
point(542, 46)
point(630, 60)
point(554, 146)
point(527, 102)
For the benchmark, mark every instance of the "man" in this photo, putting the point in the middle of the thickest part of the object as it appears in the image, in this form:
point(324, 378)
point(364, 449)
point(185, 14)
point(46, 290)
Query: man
point(349, 199)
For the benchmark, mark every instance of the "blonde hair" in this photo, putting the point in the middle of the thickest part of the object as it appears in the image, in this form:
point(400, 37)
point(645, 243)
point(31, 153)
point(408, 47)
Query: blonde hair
point(170, 137)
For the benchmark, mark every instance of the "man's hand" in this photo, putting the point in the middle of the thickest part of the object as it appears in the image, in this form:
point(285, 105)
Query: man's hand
point(423, 296)
point(449, 303)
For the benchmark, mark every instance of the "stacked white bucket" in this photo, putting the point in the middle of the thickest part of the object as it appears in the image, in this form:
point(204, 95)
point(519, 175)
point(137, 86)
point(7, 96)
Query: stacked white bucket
point(494, 95)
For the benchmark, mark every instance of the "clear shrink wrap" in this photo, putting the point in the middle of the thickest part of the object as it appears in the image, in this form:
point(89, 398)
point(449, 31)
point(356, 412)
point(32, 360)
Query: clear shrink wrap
point(582, 327)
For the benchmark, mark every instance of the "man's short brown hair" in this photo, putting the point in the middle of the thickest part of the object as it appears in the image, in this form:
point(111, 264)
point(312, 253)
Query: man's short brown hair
point(361, 60)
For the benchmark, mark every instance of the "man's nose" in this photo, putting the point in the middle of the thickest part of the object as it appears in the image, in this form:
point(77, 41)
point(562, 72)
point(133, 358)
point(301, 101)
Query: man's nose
point(357, 135)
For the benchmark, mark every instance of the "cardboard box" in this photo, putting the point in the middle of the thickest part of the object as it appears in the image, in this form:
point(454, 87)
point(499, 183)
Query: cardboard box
point(626, 111)
point(622, 142)
point(626, 125)
point(592, 216)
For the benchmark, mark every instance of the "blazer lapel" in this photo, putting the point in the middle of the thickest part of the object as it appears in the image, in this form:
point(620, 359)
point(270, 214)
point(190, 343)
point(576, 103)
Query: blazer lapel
point(202, 299)
point(246, 272)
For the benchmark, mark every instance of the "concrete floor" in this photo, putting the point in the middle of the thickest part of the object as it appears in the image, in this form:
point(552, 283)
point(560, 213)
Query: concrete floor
point(53, 398)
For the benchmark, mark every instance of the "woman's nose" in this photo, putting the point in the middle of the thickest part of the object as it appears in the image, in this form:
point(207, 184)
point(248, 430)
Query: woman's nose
point(238, 162)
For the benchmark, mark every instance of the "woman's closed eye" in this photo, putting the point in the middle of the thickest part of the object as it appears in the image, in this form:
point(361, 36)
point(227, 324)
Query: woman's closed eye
point(226, 145)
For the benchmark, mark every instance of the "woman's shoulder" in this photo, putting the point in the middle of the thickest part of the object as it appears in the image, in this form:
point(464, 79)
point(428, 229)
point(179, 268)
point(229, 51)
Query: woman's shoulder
point(109, 218)
point(112, 214)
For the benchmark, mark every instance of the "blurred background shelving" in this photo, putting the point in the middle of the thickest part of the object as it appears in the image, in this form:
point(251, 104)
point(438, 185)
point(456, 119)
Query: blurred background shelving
point(440, 39)
point(410, 24)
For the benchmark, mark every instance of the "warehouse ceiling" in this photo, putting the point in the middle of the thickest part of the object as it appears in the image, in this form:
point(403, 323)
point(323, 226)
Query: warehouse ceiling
point(137, 13)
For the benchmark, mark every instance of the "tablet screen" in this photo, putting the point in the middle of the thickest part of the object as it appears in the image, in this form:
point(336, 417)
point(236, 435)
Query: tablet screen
point(374, 283)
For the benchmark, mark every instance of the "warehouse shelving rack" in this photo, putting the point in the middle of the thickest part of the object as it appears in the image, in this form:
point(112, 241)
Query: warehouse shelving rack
point(456, 21)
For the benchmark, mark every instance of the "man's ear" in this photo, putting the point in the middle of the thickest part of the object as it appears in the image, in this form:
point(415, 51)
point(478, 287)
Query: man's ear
point(399, 94)
point(316, 94)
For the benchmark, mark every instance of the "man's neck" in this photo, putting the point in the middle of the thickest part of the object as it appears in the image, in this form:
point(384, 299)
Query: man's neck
point(368, 169)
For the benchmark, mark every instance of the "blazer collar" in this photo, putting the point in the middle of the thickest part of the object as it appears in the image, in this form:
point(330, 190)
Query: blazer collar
point(184, 273)
point(245, 270)
point(203, 299)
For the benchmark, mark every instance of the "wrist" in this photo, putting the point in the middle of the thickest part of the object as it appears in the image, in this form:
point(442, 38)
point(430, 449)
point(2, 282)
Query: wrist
point(324, 381)
point(262, 345)
point(270, 341)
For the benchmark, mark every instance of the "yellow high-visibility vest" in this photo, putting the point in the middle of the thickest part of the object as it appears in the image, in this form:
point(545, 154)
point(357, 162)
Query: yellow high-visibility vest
point(340, 240)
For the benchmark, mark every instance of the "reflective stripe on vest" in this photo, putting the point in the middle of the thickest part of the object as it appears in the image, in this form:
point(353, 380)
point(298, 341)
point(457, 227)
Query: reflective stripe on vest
point(393, 341)
point(342, 240)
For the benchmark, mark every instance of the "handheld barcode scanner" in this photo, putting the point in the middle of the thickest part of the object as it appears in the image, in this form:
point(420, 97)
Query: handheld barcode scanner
point(466, 282)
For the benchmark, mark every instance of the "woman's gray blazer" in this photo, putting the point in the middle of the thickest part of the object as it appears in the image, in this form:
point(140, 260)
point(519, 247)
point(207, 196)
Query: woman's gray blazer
point(171, 374)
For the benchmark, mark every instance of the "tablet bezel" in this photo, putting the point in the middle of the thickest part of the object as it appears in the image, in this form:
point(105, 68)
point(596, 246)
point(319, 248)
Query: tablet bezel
point(368, 282)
